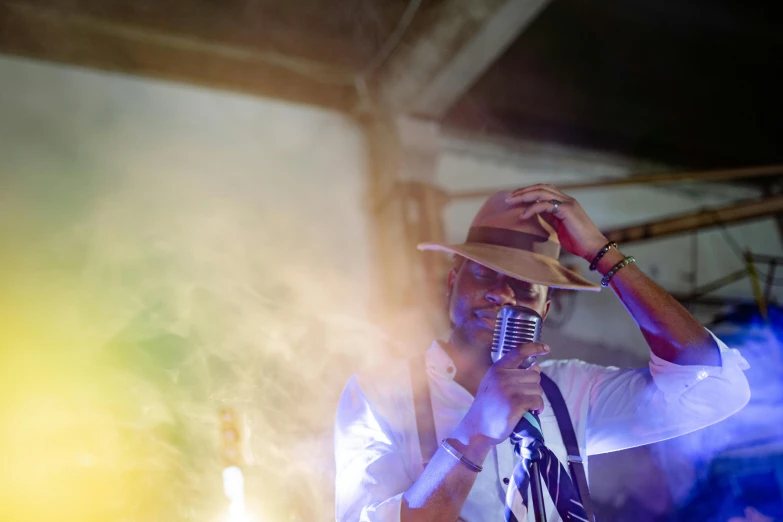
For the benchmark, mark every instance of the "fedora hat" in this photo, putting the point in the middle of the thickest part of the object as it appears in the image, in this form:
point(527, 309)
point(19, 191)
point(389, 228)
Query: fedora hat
point(527, 250)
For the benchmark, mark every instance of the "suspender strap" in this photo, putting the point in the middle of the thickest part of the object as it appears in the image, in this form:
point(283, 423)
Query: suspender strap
point(422, 405)
point(569, 440)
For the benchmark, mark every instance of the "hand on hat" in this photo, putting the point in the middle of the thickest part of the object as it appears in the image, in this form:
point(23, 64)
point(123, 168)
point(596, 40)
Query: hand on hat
point(575, 230)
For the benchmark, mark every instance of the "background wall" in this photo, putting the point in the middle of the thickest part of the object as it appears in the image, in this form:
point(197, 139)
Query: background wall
point(169, 250)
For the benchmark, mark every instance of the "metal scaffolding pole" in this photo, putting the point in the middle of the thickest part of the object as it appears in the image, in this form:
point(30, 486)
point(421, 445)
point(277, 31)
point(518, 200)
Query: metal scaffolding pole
point(703, 219)
point(649, 179)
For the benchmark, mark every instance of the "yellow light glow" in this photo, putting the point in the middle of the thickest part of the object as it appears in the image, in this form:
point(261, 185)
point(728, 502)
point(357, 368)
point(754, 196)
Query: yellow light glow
point(125, 333)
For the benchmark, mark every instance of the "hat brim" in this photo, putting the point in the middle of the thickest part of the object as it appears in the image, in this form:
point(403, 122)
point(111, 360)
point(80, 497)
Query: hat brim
point(519, 264)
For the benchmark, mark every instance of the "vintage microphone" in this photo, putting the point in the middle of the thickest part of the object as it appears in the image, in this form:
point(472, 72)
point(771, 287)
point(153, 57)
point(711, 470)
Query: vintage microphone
point(517, 325)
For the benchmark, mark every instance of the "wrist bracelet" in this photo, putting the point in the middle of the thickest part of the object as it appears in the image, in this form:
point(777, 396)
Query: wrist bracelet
point(627, 261)
point(459, 456)
point(601, 254)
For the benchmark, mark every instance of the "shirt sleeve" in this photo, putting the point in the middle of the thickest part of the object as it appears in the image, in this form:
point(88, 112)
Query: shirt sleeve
point(631, 408)
point(371, 473)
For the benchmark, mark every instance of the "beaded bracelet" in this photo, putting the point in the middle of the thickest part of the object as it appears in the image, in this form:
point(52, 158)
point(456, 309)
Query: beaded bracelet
point(601, 254)
point(459, 456)
point(627, 261)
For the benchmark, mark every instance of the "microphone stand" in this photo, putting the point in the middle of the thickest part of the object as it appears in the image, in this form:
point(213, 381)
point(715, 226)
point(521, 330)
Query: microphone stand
point(536, 492)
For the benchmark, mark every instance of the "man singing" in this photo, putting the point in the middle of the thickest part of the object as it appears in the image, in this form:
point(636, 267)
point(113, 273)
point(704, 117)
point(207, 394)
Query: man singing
point(473, 473)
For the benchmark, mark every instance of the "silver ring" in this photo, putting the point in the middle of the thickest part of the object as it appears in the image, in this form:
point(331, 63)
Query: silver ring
point(555, 205)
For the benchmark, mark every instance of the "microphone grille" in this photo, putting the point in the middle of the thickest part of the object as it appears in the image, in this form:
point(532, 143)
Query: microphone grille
point(515, 325)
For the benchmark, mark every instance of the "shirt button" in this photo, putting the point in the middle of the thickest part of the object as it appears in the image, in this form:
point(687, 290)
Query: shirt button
point(506, 481)
point(450, 369)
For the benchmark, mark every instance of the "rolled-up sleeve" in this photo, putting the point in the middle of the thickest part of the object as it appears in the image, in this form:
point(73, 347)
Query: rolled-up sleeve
point(371, 473)
point(634, 407)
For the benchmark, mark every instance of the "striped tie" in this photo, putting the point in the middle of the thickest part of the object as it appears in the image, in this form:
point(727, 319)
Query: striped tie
point(528, 441)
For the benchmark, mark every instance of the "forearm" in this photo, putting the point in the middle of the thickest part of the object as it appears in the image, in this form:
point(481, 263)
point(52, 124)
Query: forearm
point(440, 492)
point(671, 331)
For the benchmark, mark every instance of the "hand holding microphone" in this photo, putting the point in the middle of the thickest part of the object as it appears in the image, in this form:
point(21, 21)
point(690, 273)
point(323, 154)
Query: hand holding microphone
point(506, 392)
point(511, 386)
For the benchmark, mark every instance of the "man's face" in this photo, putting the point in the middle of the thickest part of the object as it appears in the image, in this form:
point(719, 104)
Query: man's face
point(476, 294)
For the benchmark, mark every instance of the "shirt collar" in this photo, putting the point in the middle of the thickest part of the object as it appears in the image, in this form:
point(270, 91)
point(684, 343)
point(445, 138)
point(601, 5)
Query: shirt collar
point(439, 363)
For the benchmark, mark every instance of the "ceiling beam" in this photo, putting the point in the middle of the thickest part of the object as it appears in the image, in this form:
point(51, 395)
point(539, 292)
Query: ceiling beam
point(697, 220)
point(258, 25)
point(428, 74)
point(648, 179)
point(78, 39)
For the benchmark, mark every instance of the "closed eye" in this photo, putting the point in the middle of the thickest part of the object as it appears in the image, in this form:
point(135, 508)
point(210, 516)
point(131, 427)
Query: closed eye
point(523, 289)
point(485, 274)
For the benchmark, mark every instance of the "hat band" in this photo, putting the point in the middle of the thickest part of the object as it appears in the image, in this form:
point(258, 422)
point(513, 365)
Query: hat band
point(514, 239)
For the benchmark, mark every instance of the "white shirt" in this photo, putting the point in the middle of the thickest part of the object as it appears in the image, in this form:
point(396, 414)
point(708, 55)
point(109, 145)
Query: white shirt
point(377, 448)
